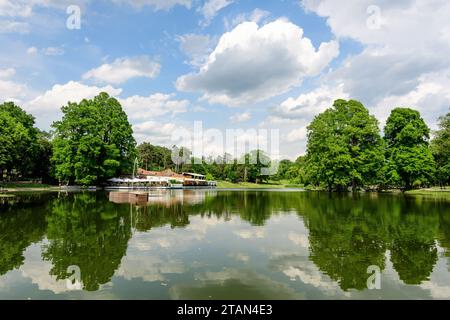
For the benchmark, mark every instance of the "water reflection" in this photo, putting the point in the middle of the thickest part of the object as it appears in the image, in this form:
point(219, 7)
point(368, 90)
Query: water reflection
point(211, 244)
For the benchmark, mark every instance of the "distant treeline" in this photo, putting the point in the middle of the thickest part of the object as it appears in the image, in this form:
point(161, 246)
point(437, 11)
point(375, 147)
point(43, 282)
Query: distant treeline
point(94, 142)
point(345, 150)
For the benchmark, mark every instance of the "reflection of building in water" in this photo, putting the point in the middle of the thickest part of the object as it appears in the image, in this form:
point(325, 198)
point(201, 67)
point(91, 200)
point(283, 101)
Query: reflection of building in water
point(166, 179)
point(161, 197)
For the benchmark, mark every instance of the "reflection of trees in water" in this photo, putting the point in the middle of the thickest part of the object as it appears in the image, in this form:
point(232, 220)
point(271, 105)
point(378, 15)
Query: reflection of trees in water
point(347, 236)
point(21, 224)
point(347, 233)
point(86, 231)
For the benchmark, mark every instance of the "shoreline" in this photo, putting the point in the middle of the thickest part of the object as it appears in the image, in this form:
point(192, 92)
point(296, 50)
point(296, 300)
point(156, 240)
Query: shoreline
point(225, 186)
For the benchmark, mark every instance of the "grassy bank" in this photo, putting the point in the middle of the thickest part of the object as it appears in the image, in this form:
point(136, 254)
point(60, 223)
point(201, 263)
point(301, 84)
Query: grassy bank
point(445, 192)
point(249, 185)
point(17, 187)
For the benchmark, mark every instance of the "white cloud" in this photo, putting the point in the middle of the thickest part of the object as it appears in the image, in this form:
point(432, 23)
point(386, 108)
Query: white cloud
point(154, 132)
point(10, 90)
point(256, 16)
point(239, 68)
point(124, 69)
point(7, 73)
point(32, 50)
point(241, 117)
point(307, 105)
point(11, 8)
point(53, 51)
point(156, 4)
point(9, 26)
point(211, 8)
point(46, 107)
point(406, 60)
point(297, 134)
point(150, 107)
point(197, 47)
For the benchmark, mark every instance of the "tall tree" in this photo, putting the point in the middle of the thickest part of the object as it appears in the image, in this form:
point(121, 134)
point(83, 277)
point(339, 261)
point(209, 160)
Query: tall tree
point(18, 140)
point(153, 157)
point(93, 142)
point(440, 147)
point(410, 162)
point(344, 147)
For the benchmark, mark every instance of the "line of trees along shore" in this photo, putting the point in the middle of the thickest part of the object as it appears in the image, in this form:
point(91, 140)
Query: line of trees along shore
point(346, 150)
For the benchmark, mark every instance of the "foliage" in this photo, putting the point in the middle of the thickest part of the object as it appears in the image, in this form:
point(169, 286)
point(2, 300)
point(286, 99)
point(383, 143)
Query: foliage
point(409, 160)
point(344, 147)
point(153, 157)
point(93, 142)
point(18, 140)
point(440, 147)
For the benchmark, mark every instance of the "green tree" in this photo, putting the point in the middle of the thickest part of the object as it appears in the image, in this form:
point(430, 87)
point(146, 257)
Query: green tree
point(440, 147)
point(410, 162)
point(344, 147)
point(18, 140)
point(154, 157)
point(93, 142)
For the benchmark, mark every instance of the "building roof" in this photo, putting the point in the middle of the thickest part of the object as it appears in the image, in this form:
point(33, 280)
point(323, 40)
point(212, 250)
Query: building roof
point(193, 174)
point(165, 173)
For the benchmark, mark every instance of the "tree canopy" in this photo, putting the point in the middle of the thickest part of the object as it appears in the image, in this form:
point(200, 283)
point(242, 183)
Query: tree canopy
point(344, 147)
point(93, 142)
point(18, 140)
point(440, 147)
point(409, 159)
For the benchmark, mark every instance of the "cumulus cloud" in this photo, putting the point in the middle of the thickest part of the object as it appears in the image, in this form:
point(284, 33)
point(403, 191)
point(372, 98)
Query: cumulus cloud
point(297, 134)
point(307, 105)
point(124, 69)
point(46, 107)
point(154, 132)
point(141, 108)
point(239, 68)
point(9, 89)
point(241, 117)
point(7, 73)
point(405, 59)
point(197, 47)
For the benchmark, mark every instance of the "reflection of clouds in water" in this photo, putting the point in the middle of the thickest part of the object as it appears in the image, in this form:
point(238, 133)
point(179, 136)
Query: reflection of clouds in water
point(140, 264)
point(243, 281)
point(165, 237)
point(297, 267)
point(38, 271)
point(439, 279)
point(299, 239)
point(239, 256)
point(148, 268)
point(437, 291)
point(258, 233)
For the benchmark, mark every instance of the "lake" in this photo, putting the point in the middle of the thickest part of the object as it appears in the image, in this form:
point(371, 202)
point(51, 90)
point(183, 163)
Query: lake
point(213, 244)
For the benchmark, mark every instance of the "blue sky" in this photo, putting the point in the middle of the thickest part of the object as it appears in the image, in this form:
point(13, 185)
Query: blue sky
point(228, 63)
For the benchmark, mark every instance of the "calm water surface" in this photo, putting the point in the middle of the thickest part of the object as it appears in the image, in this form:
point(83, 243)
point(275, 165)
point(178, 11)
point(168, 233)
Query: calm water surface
point(224, 245)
